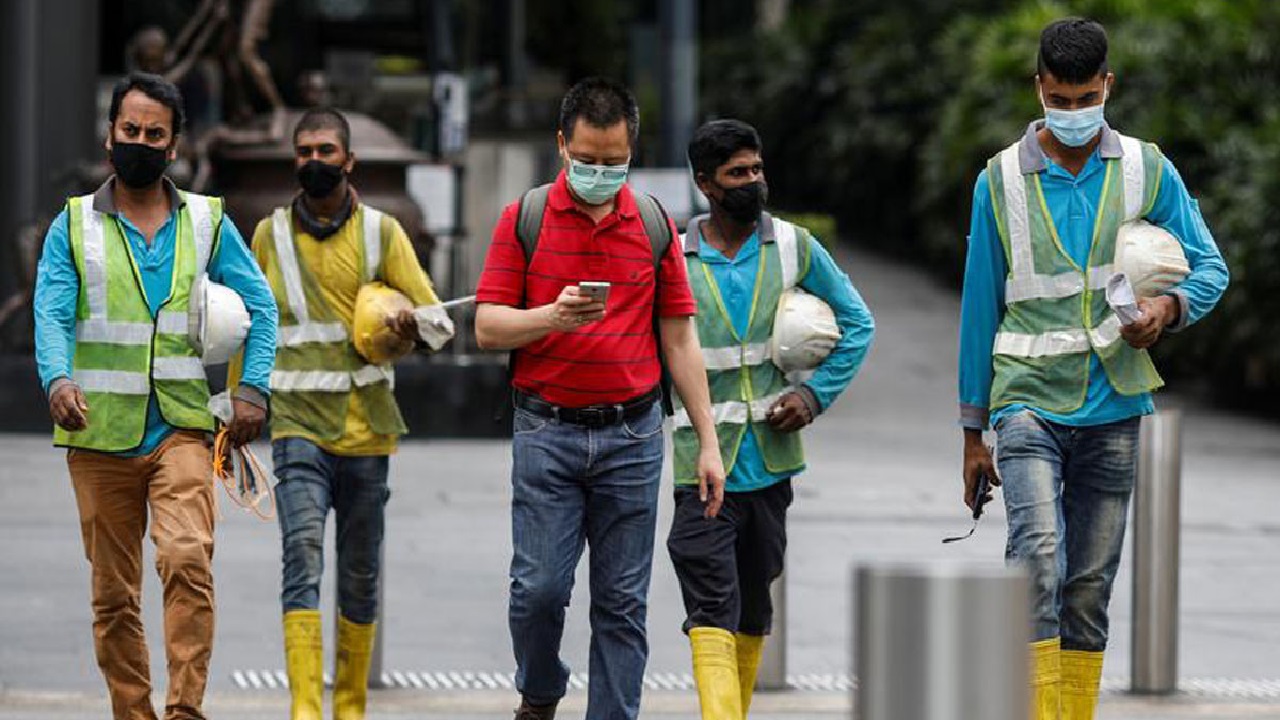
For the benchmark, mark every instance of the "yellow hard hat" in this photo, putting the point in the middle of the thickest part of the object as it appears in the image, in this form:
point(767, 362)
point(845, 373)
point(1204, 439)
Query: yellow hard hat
point(374, 340)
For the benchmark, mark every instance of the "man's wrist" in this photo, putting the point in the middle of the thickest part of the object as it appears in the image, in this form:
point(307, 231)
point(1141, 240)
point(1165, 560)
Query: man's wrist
point(58, 383)
point(252, 395)
point(1172, 310)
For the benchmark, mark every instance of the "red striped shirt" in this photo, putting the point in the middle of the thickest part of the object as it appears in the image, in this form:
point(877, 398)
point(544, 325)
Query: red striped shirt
point(610, 361)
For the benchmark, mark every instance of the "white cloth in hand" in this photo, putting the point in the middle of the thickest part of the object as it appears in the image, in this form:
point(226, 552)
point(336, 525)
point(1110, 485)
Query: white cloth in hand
point(435, 327)
point(1123, 300)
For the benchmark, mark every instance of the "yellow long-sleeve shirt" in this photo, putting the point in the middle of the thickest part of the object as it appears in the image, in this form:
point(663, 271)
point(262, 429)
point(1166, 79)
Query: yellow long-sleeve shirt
point(335, 264)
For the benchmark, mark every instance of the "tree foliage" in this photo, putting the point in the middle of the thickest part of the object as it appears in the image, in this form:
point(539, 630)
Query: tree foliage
point(883, 114)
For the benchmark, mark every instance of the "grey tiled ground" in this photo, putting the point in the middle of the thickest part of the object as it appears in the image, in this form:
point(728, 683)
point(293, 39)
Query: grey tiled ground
point(883, 485)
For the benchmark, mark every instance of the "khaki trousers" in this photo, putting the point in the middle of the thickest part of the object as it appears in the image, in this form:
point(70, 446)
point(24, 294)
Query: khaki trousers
point(114, 494)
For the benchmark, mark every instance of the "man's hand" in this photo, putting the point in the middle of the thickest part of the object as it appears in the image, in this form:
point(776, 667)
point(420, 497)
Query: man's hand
point(404, 324)
point(1157, 314)
point(977, 461)
point(246, 422)
point(710, 480)
point(572, 310)
point(789, 413)
point(68, 408)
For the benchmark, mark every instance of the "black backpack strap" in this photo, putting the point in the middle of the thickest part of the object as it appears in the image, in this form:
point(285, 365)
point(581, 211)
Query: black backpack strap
point(529, 219)
point(658, 228)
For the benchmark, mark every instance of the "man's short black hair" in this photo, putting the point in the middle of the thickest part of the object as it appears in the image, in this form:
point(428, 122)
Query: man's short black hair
point(602, 103)
point(717, 141)
point(1073, 50)
point(325, 118)
point(154, 87)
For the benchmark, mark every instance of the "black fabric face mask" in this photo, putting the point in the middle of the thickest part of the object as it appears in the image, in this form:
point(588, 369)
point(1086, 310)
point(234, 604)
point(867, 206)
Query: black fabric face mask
point(745, 203)
point(137, 165)
point(319, 178)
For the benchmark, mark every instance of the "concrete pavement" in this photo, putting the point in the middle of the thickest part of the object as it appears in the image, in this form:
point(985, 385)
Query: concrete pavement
point(883, 485)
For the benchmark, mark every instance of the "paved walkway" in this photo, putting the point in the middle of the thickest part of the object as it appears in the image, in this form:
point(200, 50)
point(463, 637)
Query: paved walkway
point(883, 485)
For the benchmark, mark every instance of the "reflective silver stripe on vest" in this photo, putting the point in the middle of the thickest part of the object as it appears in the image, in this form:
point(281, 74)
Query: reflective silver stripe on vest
point(1106, 333)
point(116, 382)
point(784, 234)
point(1016, 218)
point(310, 381)
point(329, 380)
point(1054, 342)
point(735, 356)
point(1058, 342)
point(304, 331)
point(733, 412)
point(294, 335)
point(1017, 289)
point(95, 260)
point(177, 368)
point(98, 330)
point(171, 322)
point(371, 374)
point(372, 232)
point(198, 209)
point(1135, 177)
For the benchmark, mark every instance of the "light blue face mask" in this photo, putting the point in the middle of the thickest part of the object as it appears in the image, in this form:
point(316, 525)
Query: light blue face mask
point(1075, 128)
point(596, 184)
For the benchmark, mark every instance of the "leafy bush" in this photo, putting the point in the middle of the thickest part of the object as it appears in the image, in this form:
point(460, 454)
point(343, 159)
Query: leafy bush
point(883, 114)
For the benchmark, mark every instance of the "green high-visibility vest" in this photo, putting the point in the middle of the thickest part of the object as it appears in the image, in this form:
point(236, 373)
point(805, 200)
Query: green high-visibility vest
point(123, 354)
point(1056, 313)
point(743, 380)
point(317, 367)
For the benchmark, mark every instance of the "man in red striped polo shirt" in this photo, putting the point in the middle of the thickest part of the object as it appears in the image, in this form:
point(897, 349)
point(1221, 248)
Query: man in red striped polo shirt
point(588, 426)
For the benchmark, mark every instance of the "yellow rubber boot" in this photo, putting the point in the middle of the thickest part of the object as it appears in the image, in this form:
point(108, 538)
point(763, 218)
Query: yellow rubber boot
point(304, 661)
point(1081, 677)
point(1046, 679)
point(715, 669)
point(750, 648)
point(351, 678)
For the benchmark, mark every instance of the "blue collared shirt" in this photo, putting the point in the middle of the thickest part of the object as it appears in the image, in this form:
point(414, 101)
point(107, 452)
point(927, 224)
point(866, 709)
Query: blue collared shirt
point(1073, 205)
point(58, 289)
point(736, 279)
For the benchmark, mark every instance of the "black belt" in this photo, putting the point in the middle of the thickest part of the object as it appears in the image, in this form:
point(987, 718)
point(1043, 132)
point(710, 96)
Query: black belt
point(593, 416)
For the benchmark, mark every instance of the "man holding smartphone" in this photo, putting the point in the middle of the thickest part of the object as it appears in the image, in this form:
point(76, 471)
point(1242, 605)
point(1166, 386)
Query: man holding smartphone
point(588, 446)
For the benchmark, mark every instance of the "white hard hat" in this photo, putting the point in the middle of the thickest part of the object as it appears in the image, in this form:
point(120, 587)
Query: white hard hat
point(217, 321)
point(804, 332)
point(1150, 257)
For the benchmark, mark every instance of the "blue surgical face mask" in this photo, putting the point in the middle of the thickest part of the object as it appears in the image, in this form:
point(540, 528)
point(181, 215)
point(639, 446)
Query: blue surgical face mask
point(596, 184)
point(1075, 128)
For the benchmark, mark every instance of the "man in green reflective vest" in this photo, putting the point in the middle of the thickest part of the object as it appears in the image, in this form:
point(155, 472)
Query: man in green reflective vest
point(740, 263)
point(335, 422)
point(1044, 358)
point(127, 390)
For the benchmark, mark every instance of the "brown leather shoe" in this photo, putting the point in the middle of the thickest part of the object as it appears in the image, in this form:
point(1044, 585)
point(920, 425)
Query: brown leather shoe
point(536, 712)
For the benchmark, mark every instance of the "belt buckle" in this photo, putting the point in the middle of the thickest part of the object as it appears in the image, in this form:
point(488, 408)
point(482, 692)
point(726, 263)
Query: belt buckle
point(592, 417)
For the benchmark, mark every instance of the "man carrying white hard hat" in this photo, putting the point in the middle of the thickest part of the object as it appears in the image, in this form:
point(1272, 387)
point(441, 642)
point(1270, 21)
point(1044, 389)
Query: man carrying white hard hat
point(128, 392)
point(773, 307)
point(1046, 359)
point(352, 297)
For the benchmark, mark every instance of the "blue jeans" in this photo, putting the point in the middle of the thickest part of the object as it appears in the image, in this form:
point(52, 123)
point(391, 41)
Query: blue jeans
point(573, 485)
point(1066, 492)
point(311, 481)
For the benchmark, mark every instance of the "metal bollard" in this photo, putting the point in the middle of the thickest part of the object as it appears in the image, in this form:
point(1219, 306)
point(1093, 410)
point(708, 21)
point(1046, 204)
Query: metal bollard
point(942, 642)
point(773, 662)
point(375, 662)
point(1156, 531)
